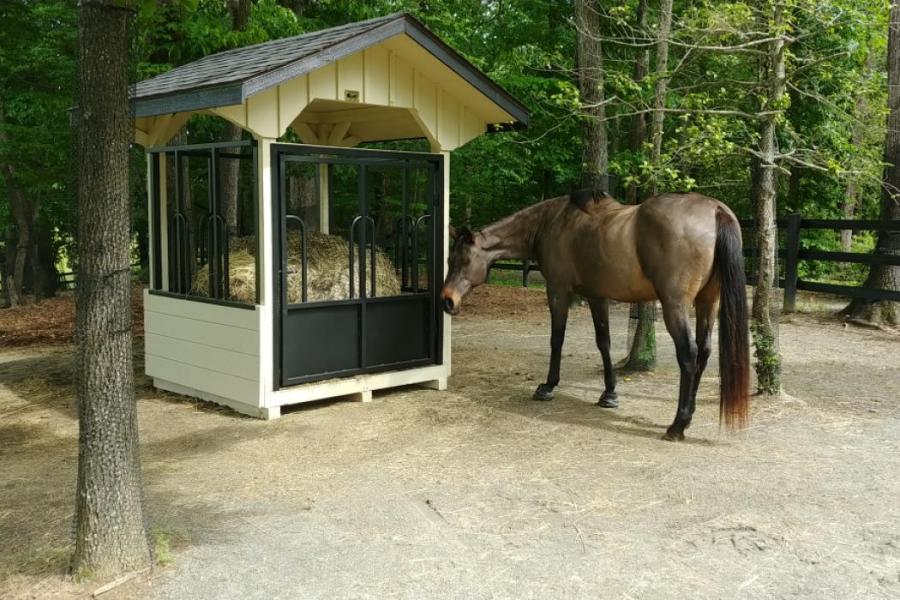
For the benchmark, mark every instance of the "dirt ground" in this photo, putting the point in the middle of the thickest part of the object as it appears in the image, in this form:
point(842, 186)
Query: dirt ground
point(479, 492)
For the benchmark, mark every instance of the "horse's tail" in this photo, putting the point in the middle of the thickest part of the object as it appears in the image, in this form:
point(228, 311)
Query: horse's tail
point(734, 346)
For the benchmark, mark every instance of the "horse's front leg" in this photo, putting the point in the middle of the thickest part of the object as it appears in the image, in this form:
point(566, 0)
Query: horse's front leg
point(559, 314)
point(600, 316)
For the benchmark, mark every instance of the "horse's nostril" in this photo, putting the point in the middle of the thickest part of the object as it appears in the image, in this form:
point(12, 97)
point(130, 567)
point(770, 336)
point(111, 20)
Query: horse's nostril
point(448, 304)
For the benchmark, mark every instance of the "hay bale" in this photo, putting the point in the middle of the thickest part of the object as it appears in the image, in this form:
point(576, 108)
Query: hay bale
point(327, 271)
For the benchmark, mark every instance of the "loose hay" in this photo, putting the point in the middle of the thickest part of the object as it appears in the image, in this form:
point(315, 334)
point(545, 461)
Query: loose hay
point(327, 275)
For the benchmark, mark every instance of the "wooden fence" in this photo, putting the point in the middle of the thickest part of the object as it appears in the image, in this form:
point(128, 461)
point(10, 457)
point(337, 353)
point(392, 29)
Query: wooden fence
point(793, 253)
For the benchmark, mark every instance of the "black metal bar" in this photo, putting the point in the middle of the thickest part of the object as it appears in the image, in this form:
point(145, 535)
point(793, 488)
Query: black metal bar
point(226, 267)
point(216, 301)
point(213, 208)
point(353, 223)
point(850, 257)
point(874, 295)
point(155, 234)
point(363, 208)
point(792, 249)
point(371, 244)
point(422, 219)
point(258, 253)
point(196, 147)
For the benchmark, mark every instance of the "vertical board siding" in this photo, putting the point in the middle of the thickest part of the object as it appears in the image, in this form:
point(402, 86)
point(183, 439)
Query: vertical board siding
point(262, 113)
point(376, 76)
point(323, 83)
point(292, 99)
point(350, 75)
point(402, 82)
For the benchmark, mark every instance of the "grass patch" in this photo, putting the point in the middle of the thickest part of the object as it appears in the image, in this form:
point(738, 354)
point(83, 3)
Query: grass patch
point(164, 544)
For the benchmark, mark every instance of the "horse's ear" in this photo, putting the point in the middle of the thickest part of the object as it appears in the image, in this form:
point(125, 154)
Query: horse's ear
point(465, 235)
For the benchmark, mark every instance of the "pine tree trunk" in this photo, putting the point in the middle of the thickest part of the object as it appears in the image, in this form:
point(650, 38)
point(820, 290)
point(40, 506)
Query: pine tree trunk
point(768, 360)
point(230, 169)
point(887, 277)
point(109, 516)
point(594, 142)
point(642, 354)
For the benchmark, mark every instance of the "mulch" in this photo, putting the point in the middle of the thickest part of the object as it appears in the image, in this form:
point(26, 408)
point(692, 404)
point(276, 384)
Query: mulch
point(52, 321)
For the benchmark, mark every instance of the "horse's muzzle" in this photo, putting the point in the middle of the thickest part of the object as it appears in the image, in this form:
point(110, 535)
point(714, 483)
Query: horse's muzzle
point(450, 302)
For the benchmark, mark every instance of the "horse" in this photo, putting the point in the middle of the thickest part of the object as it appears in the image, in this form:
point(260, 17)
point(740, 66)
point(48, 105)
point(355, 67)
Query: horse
point(680, 249)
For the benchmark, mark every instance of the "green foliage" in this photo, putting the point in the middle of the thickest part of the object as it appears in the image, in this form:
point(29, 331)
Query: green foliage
point(768, 361)
point(835, 72)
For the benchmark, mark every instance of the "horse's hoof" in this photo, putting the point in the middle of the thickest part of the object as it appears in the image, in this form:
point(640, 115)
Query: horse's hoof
point(608, 400)
point(543, 392)
point(673, 436)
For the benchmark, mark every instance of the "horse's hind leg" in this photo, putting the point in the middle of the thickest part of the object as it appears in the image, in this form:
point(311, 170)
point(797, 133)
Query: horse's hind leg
point(600, 315)
point(706, 314)
point(559, 314)
point(675, 315)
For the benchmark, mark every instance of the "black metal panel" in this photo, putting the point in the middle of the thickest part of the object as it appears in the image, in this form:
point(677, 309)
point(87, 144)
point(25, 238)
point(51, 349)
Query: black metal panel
point(397, 330)
point(325, 339)
point(320, 341)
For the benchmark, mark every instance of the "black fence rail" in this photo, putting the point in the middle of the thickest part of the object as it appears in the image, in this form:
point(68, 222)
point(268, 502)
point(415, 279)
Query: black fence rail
point(67, 281)
point(793, 253)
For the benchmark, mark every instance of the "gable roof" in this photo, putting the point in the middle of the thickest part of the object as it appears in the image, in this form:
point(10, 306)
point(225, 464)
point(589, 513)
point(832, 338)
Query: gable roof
point(230, 77)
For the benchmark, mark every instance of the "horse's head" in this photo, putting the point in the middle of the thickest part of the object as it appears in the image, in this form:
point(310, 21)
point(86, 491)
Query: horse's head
point(467, 268)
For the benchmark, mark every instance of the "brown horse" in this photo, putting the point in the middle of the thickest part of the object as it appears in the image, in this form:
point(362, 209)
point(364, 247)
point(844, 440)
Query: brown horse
point(682, 249)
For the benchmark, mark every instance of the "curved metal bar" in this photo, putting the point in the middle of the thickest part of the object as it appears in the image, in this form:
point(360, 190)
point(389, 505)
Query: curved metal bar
point(303, 255)
point(353, 223)
point(203, 242)
point(371, 221)
point(419, 221)
point(178, 224)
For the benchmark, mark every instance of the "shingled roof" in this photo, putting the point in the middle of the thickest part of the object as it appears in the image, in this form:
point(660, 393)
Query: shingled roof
point(230, 77)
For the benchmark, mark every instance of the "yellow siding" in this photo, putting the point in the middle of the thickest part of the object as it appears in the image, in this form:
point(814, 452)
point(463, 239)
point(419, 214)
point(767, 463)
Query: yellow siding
point(426, 102)
point(376, 82)
point(293, 98)
point(402, 82)
point(448, 121)
point(262, 113)
point(323, 83)
point(350, 75)
point(236, 113)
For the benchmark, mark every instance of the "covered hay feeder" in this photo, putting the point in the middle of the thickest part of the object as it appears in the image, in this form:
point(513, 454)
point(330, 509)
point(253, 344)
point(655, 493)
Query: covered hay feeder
point(283, 273)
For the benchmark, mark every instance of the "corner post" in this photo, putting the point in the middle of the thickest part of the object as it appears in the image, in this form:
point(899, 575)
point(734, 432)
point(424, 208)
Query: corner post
point(446, 241)
point(791, 257)
point(265, 260)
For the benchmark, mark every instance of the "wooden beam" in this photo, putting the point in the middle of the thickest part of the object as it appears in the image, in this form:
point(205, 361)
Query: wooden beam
point(338, 132)
point(356, 115)
point(307, 135)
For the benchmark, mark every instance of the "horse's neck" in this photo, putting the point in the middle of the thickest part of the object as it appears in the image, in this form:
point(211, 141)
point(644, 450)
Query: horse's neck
point(516, 235)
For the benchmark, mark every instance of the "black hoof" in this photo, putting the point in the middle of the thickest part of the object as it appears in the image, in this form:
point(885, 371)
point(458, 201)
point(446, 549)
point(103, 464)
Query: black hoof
point(608, 400)
point(672, 435)
point(543, 392)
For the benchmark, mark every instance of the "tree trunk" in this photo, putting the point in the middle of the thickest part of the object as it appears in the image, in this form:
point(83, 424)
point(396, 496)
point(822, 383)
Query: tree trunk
point(768, 360)
point(46, 277)
point(230, 169)
point(24, 212)
point(594, 142)
point(642, 354)
point(109, 513)
point(638, 133)
point(852, 190)
point(887, 277)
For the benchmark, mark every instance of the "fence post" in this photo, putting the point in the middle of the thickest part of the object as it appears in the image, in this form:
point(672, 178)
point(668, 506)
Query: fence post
point(791, 256)
point(526, 269)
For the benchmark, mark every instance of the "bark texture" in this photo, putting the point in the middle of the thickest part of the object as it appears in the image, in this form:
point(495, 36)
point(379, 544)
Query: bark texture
point(642, 354)
point(109, 517)
point(594, 141)
point(887, 277)
point(768, 360)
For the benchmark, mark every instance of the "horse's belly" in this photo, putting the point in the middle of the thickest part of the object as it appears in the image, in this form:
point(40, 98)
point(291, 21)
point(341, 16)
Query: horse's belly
point(622, 280)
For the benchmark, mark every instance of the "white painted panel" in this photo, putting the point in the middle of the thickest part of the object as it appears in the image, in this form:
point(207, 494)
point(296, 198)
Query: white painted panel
point(211, 334)
point(323, 83)
point(236, 113)
point(376, 86)
point(446, 240)
point(220, 384)
point(350, 75)
point(292, 98)
point(448, 121)
point(241, 365)
point(472, 126)
point(262, 113)
point(202, 311)
point(426, 102)
point(402, 83)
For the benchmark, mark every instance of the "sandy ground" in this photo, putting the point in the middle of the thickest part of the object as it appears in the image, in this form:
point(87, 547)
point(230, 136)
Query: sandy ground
point(479, 492)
